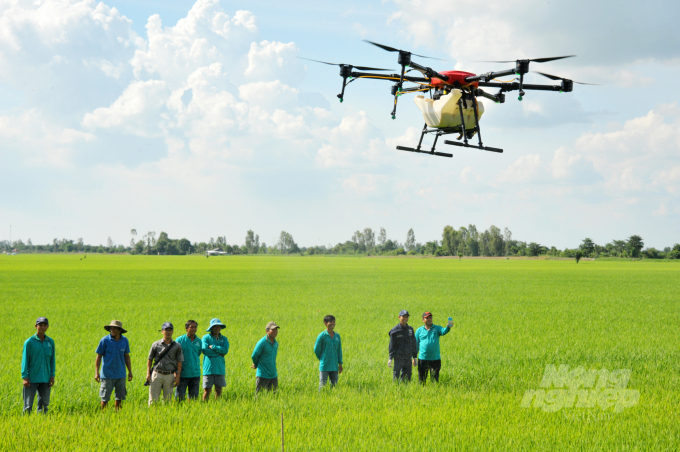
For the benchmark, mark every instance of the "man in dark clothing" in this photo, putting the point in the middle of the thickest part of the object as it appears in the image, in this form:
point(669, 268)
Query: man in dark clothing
point(403, 348)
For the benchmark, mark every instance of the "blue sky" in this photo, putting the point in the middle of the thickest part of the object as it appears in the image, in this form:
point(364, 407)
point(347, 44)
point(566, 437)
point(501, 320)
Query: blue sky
point(199, 119)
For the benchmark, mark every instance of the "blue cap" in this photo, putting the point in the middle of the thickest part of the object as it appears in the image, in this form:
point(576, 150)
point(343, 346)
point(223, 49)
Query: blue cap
point(404, 312)
point(42, 320)
point(167, 326)
point(214, 322)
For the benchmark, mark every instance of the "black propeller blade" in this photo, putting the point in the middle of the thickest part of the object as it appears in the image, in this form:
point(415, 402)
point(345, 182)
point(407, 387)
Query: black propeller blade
point(392, 49)
point(555, 77)
point(535, 60)
point(361, 68)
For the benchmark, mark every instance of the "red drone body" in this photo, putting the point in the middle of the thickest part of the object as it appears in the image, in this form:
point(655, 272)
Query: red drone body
point(454, 77)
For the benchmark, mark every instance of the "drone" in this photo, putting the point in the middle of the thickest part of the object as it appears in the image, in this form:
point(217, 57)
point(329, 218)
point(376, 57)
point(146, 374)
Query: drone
point(452, 106)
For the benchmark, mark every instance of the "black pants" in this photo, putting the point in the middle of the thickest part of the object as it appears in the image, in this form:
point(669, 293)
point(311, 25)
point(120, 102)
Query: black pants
point(268, 384)
point(431, 366)
point(402, 369)
point(193, 384)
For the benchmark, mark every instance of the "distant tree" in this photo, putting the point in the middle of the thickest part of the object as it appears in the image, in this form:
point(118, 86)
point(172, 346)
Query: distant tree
point(164, 236)
point(139, 247)
point(161, 246)
point(534, 249)
point(150, 238)
point(109, 243)
point(360, 241)
point(80, 244)
point(172, 248)
point(369, 238)
point(588, 247)
point(410, 242)
point(507, 238)
point(286, 244)
point(382, 237)
point(184, 246)
point(635, 244)
point(496, 245)
point(619, 246)
point(430, 247)
point(133, 233)
point(252, 242)
point(578, 256)
point(450, 241)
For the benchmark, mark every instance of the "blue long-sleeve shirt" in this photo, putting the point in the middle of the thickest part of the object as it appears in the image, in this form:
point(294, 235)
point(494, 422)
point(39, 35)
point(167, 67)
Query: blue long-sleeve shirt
point(428, 341)
point(264, 358)
point(38, 360)
point(213, 358)
point(191, 368)
point(329, 351)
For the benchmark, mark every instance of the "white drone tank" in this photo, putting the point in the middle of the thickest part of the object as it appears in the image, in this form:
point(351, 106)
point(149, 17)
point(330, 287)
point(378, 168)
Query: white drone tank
point(444, 112)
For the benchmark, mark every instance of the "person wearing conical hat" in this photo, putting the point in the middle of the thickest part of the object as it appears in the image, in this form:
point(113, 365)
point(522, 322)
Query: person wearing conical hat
point(215, 347)
point(113, 352)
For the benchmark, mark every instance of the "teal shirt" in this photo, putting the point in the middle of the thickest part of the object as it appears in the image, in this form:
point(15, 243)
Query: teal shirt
point(329, 351)
point(191, 367)
point(428, 341)
point(38, 359)
point(264, 358)
point(213, 359)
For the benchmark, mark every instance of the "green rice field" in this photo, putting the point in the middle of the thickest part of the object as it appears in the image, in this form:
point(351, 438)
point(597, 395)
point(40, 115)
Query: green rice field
point(512, 318)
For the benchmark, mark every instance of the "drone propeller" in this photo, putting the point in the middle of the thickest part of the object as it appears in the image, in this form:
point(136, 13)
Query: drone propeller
point(555, 77)
point(392, 49)
point(535, 60)
point(361, 68)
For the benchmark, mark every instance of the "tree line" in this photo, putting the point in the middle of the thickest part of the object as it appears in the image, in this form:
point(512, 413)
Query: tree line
point(464, 241)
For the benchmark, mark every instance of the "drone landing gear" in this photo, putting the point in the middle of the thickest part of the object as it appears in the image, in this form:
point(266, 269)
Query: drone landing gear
point(462, 130)
point(483, 148)
point(430, 152)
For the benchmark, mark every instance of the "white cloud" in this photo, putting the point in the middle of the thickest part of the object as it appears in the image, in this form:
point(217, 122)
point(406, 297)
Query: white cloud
point(507, 30)
point(527, 168)
point(139, 110)
point(30, 139)
point(355, 141)
point(268, 60)
point(206, 36)
point(363, 185)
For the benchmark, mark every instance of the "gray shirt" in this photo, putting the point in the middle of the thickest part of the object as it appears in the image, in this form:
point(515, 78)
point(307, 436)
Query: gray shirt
point(170, 360)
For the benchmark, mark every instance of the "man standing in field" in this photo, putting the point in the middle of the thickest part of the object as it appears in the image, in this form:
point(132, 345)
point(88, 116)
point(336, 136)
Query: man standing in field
point(427, 337)
point(37, 367)
point(328, 349)
point(403, 348)
point(215, 347)
point(191, 368)
point(114, 350)
point(264, 360)
point(167, 368)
